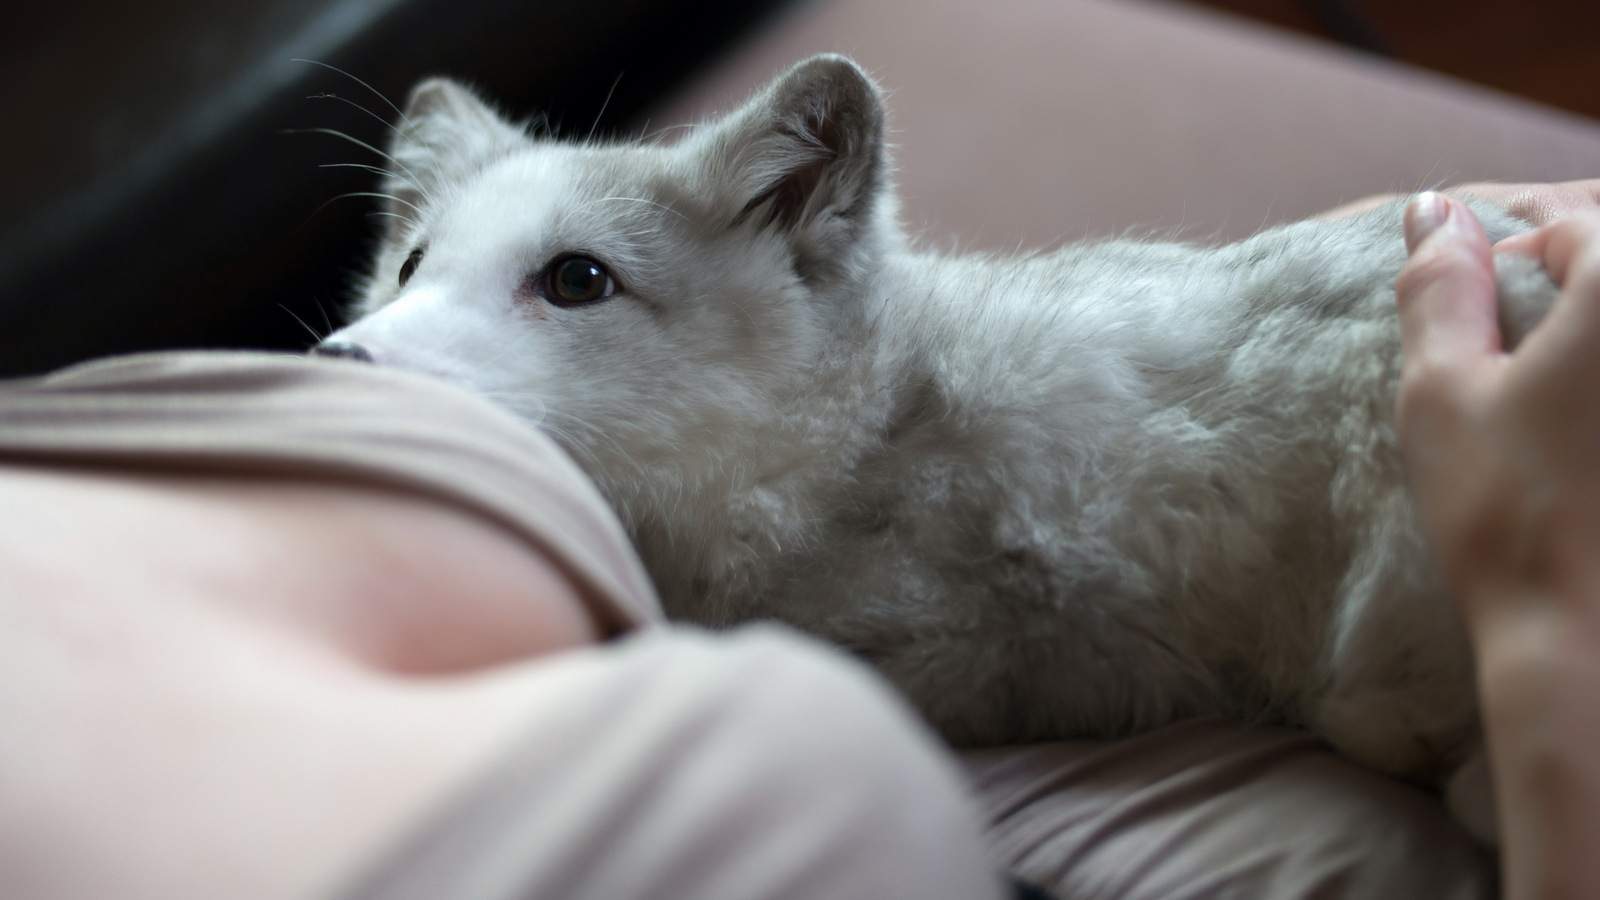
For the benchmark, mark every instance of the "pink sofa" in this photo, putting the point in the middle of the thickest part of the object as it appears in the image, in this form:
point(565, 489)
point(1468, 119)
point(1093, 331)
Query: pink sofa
point(1031, 122)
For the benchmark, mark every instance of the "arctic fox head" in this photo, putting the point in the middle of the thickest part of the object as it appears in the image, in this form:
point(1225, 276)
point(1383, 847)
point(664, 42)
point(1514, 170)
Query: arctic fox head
point(632, 298)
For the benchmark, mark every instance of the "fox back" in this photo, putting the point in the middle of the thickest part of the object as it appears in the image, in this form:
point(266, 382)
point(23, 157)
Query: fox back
point(1065, 494)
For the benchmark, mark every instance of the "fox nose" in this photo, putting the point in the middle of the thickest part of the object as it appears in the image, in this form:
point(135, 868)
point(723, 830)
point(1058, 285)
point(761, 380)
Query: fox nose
point(342, 350)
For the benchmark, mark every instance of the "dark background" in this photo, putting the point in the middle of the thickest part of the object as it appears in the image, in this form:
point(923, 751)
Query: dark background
point(165, 186)
point(1542, 50)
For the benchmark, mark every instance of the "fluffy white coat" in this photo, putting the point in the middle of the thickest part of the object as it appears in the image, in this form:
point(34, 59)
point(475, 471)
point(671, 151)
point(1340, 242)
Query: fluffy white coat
point(1076, 493)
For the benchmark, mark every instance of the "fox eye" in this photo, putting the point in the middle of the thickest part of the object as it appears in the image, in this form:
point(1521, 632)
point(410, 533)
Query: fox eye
point(577, 279)
point(410, 266)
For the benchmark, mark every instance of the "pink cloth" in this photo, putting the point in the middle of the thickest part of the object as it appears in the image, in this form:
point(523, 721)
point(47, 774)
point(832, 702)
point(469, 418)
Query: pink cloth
point(1020, 124)
point(296, 417)
point(1218, 809)
point(749, 765)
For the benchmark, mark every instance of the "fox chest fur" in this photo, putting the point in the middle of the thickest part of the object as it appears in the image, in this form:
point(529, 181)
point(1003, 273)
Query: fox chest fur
point(1069, 494)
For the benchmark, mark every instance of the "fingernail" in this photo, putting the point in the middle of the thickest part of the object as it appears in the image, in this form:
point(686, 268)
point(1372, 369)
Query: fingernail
point(1424, 216)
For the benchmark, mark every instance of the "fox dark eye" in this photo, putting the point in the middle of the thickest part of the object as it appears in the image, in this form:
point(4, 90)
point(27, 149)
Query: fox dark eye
point(410, 266)
point(578, 279)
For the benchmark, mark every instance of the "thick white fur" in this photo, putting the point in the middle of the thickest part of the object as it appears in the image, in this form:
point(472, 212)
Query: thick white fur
point(1078, 493)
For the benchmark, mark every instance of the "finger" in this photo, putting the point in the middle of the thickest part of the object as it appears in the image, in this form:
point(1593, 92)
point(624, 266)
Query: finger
point(1570, 251)
point(1529, 244)
point(1446, 292)
point(1558, 246)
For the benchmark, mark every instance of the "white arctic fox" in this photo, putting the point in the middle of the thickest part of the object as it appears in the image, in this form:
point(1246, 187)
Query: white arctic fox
point(1076, 493)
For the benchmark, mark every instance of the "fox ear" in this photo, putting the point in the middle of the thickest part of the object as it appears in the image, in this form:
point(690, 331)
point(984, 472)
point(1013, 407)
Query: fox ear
point(805, 156)
point(445, 130)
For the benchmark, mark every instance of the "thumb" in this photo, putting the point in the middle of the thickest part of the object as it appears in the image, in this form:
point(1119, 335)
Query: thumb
point(1446, 292)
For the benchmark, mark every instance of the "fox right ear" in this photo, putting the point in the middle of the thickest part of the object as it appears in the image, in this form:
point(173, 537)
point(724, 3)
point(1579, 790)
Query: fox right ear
point(445, 130)
point(805, 158)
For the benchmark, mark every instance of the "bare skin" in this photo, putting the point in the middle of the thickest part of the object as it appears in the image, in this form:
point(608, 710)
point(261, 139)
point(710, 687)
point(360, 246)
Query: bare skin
point(1501, 449)
point(205, 669)
point(1536, 204)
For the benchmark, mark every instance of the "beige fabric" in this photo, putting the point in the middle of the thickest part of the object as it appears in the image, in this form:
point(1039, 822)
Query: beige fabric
point(274, 415)
point(678, 766)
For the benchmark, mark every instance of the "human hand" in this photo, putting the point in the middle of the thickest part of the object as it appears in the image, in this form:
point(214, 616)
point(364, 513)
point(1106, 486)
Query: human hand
point(1502, 450)
point(1536, 204)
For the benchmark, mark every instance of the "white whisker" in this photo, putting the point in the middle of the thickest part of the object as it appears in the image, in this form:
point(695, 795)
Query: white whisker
point(387, 124)
point(332, 200)
point(397, 181)
point(661, 206)
point(326, 319)
point(359, 143)
point(381, 196)
point(646, 137)
point(380, 95)
point(607, 102)
point(315, 337)
point(376, 170)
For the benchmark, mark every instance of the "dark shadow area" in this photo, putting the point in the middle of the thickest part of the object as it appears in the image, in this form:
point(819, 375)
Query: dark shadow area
point(1540, 50)
point(173, 185)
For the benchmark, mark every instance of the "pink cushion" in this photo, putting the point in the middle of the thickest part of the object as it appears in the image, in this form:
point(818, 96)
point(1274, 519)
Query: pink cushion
point(1029, 122)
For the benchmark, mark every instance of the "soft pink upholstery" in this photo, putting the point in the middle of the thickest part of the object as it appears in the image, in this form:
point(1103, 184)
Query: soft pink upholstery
point(1035, 121)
